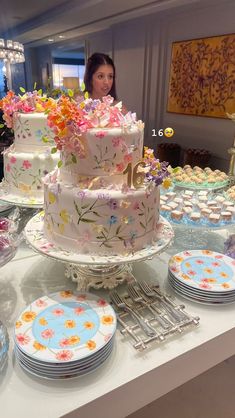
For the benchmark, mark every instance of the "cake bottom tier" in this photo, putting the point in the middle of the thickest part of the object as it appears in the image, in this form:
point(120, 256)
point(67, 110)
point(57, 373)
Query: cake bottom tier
point(23, 171)
point(100, 222)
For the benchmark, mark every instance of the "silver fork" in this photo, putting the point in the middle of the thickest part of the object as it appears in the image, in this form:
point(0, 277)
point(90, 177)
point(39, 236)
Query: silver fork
point(137, 296)
point(177, 316)
point(120, 303)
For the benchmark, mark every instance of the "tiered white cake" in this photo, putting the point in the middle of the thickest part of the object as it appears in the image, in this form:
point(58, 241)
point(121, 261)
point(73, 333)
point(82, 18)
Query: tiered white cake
point(95, 203)
point(29, 158)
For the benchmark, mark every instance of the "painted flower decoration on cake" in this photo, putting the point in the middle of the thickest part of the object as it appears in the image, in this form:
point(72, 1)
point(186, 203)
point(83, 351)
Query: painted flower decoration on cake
point(28, 102)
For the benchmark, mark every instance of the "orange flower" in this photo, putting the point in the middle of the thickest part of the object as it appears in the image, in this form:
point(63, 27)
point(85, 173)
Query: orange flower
point(223, 274)
point(206, 252)
point(178, 259)
point(88, 325)
point(107, 319)
point(70, 323)
point(28, 316)
point(66, 294)
point(43, 321)
point(18, 324)
point(91, 344)
point(73, 340)
point(225, 285)
point(209, 271)
point(38, 346)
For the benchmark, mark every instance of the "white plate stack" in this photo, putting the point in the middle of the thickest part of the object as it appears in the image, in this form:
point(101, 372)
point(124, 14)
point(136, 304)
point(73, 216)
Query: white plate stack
point(204, 276)
point(65, 334)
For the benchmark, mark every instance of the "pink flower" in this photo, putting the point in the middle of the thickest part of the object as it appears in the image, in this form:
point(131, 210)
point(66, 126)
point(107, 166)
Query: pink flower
point(22, 339)
point(128, 158)
point(64, 355)
point(58, 312)
point(13, 160)
point(26, 164)
point(79, 310)
point(117, 141)
point(101, 302)
point(8, 168)
point(40, 303)
point(136, 206)
point(48, 333)
point(199, 261)
point(100, 134)
point(64, 342)
point(120, 167)
point(191, 273)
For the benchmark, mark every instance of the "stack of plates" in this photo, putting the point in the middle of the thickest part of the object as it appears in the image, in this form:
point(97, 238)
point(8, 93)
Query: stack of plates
point(204, 276)
point(65, 334)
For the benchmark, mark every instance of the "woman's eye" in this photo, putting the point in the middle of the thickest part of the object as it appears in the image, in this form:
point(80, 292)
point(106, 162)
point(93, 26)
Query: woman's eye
point(100, 76)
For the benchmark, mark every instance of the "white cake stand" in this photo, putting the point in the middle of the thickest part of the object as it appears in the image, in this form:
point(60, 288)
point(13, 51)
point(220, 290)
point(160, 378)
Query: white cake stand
point(20, 201)
point(96, 271)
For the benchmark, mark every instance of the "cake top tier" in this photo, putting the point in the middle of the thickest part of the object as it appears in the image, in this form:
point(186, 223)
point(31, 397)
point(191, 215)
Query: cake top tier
point(70, 119)
point(28, 102)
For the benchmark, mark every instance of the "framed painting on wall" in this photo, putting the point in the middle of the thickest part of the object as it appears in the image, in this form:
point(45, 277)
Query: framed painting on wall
point(202, 77)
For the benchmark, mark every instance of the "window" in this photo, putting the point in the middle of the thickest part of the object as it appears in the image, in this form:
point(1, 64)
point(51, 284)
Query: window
point(66, 70)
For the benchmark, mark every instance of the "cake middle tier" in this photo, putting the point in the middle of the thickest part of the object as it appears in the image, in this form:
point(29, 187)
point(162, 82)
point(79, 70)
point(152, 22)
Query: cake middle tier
point(100, 222)
point(101, 155)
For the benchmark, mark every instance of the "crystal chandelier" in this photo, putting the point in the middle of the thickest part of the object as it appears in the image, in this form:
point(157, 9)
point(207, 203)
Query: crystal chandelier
point(11, 52)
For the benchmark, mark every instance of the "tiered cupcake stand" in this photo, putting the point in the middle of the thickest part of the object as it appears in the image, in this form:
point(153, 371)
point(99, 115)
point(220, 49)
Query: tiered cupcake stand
point(96, 271)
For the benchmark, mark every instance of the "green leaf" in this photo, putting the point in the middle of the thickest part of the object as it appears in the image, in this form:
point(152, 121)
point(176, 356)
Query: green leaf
point(86, 206)
point(74, 159)
point(60, 163)
point(22, 89)
point(40, 92)
point(87, 220)
point(77, 208)
point(70, 93)
point(118, 229)
point(143, 204)
point(86, 95)
point(107, 245)
point(83, 86)
point(2, 125)
point(35, 85)
point(96, 214)
point(121, 239)
point(53, 150)
point(99, 237)
point(141, 214)
point(142, 225)
point(45, 139)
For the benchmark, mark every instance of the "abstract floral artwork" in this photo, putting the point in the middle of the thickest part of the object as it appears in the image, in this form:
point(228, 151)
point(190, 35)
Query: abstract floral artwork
point(202, 77)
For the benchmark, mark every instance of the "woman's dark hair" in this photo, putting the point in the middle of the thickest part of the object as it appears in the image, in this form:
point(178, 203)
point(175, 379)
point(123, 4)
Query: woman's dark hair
point(94, 62)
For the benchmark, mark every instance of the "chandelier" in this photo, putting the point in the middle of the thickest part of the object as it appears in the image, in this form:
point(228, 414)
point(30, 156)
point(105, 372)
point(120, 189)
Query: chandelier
point(11, 52)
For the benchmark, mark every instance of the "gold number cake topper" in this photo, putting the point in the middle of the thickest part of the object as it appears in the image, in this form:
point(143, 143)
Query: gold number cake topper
point(134, 177)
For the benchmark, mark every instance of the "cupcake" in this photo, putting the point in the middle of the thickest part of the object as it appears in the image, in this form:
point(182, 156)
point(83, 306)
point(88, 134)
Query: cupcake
point(177, 215)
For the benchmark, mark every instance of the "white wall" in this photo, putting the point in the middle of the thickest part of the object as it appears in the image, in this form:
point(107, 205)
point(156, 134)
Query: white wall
point(141, 49)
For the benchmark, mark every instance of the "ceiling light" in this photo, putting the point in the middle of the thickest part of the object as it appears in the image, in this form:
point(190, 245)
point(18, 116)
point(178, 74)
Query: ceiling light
point(11, 51)
point(50, 40)
point(62, 36)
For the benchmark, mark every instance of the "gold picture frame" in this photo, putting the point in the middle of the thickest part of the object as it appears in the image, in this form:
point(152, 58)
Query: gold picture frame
point(202, 77)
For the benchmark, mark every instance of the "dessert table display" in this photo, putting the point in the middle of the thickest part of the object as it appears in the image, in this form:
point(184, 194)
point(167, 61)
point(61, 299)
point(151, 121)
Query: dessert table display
point(197, 178)
point(112, 389)
point(96, 271)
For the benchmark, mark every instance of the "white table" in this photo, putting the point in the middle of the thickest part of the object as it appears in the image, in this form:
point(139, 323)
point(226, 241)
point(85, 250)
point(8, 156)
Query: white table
point(129, 379)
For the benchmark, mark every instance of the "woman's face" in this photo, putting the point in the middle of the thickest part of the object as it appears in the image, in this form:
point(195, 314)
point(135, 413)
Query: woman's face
point(102, 81)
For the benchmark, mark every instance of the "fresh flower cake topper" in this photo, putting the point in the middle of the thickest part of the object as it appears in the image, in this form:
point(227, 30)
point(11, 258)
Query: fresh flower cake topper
point(26, 103)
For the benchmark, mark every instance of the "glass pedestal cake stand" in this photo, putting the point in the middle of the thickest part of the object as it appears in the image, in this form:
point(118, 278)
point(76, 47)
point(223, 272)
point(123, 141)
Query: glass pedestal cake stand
point(96, 271)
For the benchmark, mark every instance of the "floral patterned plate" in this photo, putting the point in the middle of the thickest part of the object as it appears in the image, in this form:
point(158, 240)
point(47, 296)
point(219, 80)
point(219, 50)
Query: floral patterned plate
point(65, 327)
point(23, 201)
point(35, 236)
point(204, 269)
